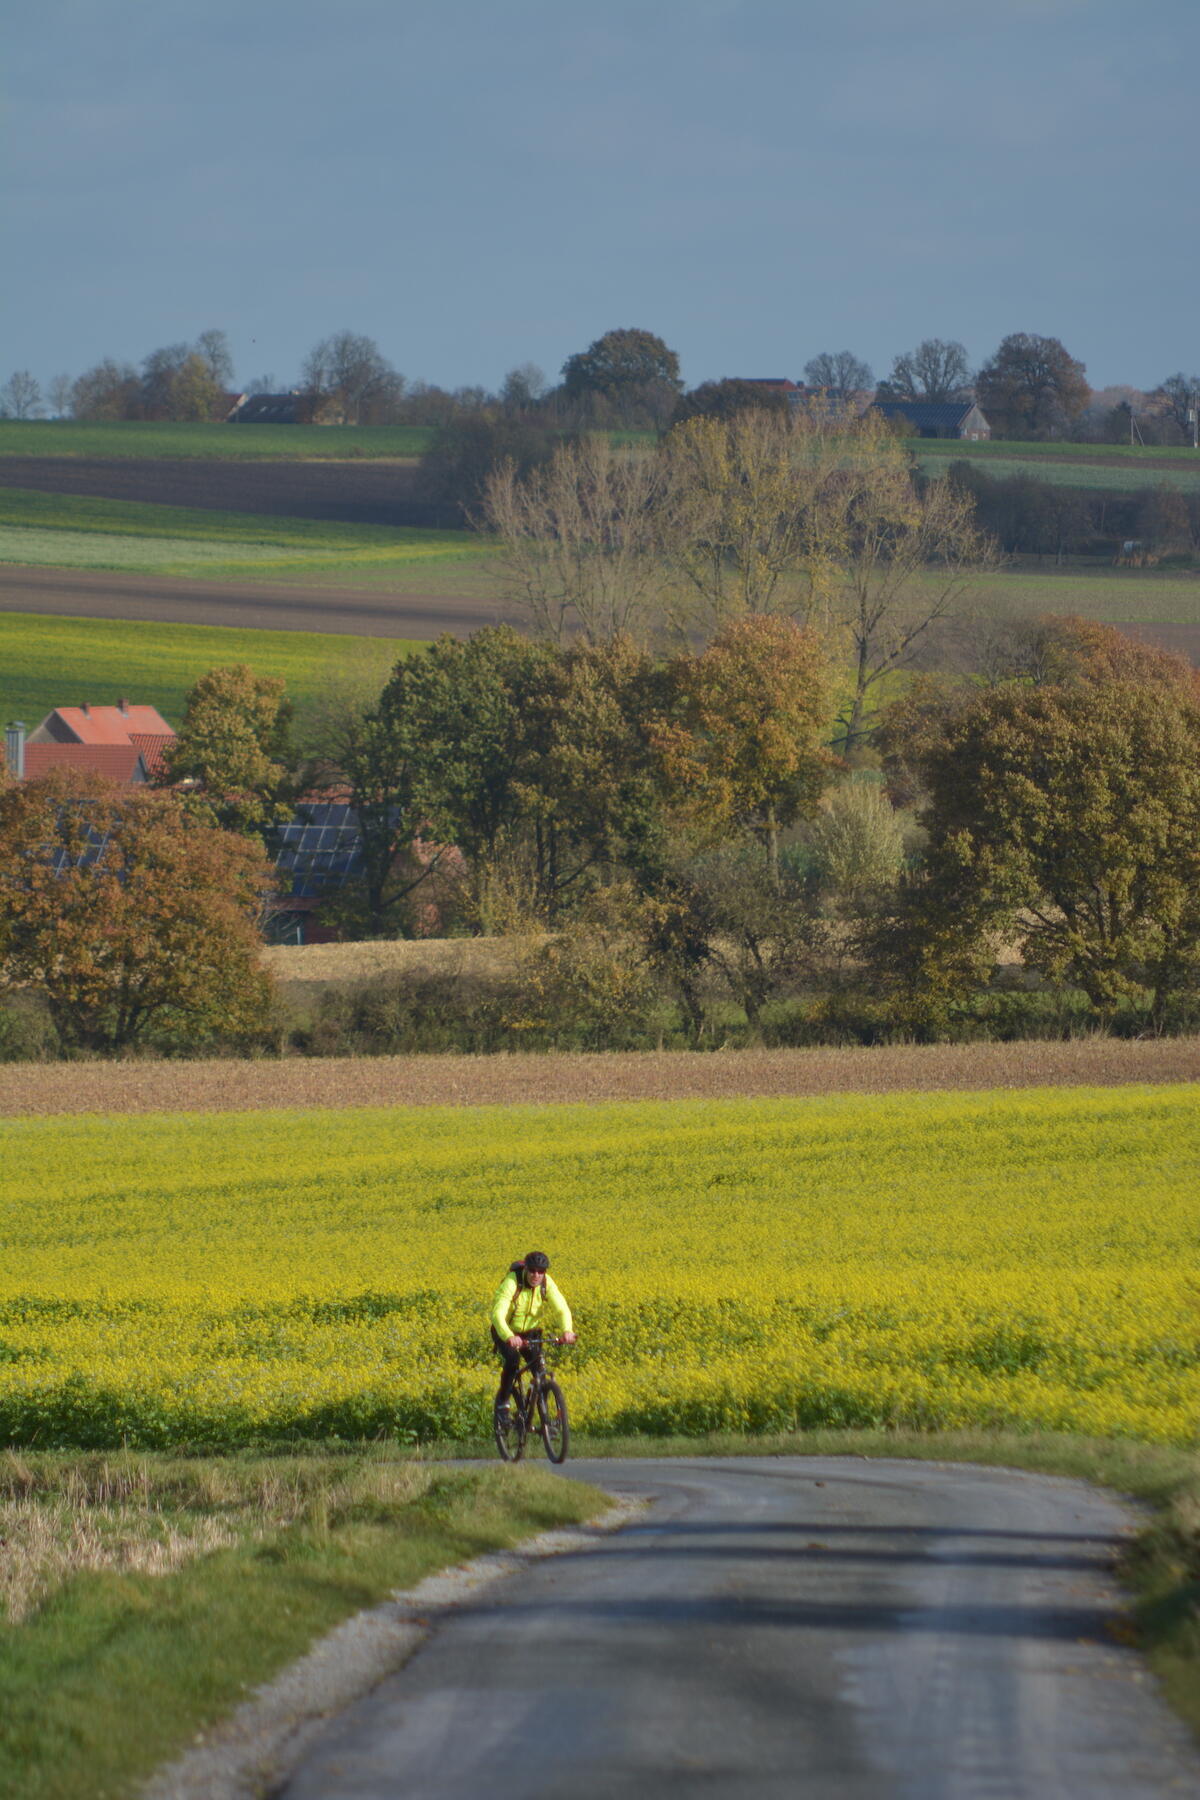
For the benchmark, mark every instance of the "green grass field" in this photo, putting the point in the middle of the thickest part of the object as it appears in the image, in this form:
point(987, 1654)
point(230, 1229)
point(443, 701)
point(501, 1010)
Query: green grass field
point(69, 531)
point(1113, 467)
point(251, 443)
point(49, 661)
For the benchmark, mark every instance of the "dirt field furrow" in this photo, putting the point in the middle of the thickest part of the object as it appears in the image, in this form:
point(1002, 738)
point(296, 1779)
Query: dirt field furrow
point(131, 1087)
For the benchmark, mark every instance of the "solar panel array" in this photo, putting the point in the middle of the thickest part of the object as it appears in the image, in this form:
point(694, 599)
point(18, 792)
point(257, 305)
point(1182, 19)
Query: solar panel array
point(319, 850)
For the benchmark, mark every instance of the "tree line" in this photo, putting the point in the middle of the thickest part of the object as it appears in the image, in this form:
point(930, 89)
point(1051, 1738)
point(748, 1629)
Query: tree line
point(1030, 387)
point(672, 840)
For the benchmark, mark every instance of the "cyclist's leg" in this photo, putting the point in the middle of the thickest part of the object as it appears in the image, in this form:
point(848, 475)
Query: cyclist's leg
point(512, 1362)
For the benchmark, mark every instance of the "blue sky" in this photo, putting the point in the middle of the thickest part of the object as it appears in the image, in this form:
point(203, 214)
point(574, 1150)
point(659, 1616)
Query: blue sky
point(477, 185)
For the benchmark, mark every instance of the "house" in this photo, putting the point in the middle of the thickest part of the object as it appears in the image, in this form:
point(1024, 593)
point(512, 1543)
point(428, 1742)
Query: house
point(121, 742)
point(938, 418)
point(293, 408)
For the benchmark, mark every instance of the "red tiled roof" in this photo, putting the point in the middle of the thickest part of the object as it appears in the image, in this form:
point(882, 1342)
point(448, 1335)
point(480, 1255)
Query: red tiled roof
point(118, 762)
point(110, 724)
point(152, 745)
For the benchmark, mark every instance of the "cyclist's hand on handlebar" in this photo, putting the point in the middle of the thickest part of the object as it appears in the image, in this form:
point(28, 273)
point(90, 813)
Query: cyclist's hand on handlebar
point(516, 1343)
point(568, 1337)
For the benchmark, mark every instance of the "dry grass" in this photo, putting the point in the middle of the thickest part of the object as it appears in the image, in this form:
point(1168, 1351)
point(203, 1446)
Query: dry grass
point(61, 1516)
point(504, 1080)
point(305, 971)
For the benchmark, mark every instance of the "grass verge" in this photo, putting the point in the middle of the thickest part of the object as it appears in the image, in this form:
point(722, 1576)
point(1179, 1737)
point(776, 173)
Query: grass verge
point(149, 1593)
point(48, 661)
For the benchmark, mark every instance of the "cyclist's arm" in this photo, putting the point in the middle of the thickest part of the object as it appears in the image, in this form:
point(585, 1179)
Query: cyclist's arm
point(505, 1295)
point(558, 1306)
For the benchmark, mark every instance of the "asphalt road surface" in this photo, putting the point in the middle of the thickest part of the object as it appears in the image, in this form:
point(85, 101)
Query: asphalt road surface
point(800, 1627)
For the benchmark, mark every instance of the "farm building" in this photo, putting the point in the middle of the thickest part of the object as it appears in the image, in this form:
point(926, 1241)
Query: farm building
point(938, 418)
point(121, 742)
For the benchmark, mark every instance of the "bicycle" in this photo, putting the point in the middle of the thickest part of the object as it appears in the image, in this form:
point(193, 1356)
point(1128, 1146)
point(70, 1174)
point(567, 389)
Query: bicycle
point(535, 1393)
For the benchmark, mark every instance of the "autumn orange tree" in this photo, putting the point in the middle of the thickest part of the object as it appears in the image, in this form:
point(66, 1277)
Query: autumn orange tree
point(127, 916)
point(743, 743)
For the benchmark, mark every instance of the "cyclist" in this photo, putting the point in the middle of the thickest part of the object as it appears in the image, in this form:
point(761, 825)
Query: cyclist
point(524, 1296)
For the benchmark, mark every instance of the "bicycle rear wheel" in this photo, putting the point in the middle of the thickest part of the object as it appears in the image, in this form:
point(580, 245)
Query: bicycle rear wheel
point(552, 1417)
point(510, 1432)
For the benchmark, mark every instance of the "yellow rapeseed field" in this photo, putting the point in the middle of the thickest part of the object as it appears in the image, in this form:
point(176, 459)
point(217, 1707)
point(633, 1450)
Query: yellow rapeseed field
point(1027, 1258)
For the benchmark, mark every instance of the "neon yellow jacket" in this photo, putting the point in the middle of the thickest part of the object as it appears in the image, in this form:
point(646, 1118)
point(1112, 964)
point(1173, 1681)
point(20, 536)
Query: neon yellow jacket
point(518, 1309)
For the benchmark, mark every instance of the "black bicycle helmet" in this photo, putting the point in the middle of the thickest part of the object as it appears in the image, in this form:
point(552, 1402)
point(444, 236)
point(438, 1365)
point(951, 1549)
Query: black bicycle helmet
point(537, 1261)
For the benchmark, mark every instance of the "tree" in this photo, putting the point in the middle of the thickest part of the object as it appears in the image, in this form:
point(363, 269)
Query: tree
point(907, 556)
point(213, 348)
point(742, 509)
point(723, 399)
point(1065, 818)
point(522, 388)
point(111, 390)
point(59, 390)
point(472, 714)
point(838, 372)
point(1181, 394)
point(160, 373)
point(20, 397)
point(469, 448)
point(1031, 387)
point(936, 370)
point(367, 757)
point(633, 370)
point(350, 379)
point(578, 539)
point(126, 915)
point(234, 743)
point(743, 740)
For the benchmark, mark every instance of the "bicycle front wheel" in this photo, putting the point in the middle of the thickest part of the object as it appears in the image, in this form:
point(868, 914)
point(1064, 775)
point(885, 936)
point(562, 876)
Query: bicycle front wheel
point(552, 1418)
point(508, 1425)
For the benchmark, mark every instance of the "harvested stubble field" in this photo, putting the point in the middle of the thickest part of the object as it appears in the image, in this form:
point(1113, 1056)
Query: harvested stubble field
point(504, 1080)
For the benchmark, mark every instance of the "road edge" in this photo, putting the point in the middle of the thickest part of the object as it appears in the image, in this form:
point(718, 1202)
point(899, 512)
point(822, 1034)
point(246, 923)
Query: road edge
point(248, 1753)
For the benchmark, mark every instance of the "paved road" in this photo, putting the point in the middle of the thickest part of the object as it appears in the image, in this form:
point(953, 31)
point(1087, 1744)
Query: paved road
point(786, 1627)
point(97, 594)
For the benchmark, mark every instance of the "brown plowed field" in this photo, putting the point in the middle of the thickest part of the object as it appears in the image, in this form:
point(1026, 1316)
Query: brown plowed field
point(355, 493)
point(99, 594)
point(551, 1080)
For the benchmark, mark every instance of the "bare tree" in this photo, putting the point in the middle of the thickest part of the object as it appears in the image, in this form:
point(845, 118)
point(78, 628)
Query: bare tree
point(935, 370)
point(213, 347)
point(838, 372)
point(59, 389)
point(1181, 393)
point(908, 558)
point(350, 378)
point(579, 539)
point(755, 509)
point(20, 397)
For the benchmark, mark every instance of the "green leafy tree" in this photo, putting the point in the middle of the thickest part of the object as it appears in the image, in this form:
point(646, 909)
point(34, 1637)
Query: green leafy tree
point(632, 370)
point(365, 754)
point(126, 915)
point(1065, 818)
point(724, 399)
point(1032, 387)
point(234, 745)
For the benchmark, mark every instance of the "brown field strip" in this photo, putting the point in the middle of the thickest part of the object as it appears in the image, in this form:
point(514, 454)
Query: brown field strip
point(136, 1087)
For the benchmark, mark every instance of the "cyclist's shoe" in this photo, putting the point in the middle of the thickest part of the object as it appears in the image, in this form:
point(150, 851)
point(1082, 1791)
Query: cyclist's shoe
point(503, 1412)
